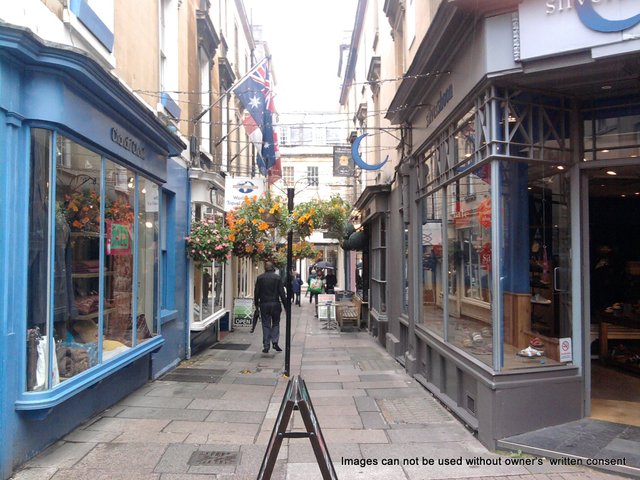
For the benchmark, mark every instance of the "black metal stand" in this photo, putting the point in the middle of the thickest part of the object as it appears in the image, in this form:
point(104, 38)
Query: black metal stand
point(296, 397)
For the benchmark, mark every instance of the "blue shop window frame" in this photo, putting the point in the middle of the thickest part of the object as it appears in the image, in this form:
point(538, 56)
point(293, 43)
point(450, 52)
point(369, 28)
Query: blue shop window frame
point(167, 255)
point(39, 404)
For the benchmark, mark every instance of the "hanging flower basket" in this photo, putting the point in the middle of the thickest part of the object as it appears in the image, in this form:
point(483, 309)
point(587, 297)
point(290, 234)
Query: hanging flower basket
point(82, 211)
point(209, 241)
point(335, 215)
point(304, 250)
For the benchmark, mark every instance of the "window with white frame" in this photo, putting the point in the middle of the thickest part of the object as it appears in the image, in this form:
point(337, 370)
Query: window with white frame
point(312, 176)
point(287, 175)
point(283, 136)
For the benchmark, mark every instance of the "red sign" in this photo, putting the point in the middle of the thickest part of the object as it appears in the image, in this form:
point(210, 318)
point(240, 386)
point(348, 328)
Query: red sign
point(485, 257)
point(461, 218)
point(484, 213)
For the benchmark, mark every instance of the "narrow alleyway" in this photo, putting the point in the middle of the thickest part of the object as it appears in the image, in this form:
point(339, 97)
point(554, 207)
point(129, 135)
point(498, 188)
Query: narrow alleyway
point(212, 418)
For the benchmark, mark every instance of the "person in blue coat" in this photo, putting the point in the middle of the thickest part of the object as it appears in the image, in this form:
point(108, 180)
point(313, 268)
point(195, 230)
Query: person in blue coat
point(296, 288)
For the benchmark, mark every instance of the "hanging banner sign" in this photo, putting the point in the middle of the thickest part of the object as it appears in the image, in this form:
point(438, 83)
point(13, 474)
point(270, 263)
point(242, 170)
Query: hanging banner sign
point(236, 189)
point(343, 165)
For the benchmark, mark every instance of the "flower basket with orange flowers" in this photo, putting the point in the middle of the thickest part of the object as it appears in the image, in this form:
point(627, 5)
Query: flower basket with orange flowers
point(335, 214)
point(82, 211)
point(307, 217)
point(304, 250)
point(251, 225)
point(208, 241)
point(120, 211)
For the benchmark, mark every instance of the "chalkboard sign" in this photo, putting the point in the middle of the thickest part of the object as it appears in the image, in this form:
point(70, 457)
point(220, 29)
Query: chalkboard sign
point(296, 397)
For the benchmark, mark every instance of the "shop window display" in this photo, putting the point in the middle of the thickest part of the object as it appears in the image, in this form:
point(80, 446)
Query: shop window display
point(469, 264)
point(86, 258)
point(432, 265)
point(537, 300)
point(148, 259)
point(208, 290)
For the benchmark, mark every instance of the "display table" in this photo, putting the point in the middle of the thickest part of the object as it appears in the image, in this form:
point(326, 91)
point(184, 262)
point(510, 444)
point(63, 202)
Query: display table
point(616, 326)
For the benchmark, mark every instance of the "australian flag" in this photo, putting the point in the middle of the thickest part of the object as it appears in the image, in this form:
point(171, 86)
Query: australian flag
point(255, 94)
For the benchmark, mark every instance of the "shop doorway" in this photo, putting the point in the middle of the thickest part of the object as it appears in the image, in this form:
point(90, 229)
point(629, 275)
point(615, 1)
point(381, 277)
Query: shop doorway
point(614, 292)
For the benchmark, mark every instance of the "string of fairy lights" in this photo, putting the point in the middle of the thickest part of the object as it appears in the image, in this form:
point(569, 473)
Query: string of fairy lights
point(336, 117)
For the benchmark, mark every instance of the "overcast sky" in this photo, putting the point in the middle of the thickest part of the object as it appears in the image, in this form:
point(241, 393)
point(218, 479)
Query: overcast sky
point(304, 38)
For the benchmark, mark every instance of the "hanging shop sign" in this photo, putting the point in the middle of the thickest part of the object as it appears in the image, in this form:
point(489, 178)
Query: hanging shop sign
point(343, 165)
point(584, 24)
point(236, 189)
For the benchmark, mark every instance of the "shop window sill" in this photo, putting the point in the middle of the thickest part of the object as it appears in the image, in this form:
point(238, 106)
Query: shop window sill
point(38, 405)
point(207, 322)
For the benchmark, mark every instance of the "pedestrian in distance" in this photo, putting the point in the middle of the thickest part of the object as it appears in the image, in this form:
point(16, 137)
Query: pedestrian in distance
point(296, 288)
point(312, 275)
point(269, 298)
point(330, 282)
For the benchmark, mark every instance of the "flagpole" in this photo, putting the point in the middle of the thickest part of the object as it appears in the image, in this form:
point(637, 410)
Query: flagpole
point(229, 90)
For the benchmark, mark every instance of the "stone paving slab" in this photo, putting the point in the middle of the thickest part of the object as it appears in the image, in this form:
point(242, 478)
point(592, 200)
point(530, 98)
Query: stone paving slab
point(62, 455)
point(96, 474)
point(164, 413)
point(90, 436)
point(238, 405)
point(136, 458)
point(188, 391)
point(140, 436)
point(137, 400)
point(127, 424)
point(235, 417)
point(179, 426)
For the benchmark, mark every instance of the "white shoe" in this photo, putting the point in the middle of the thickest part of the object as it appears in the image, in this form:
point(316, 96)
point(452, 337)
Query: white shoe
point(537, 298)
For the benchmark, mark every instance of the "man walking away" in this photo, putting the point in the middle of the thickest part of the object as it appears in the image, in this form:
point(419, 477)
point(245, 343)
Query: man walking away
point(268, 294)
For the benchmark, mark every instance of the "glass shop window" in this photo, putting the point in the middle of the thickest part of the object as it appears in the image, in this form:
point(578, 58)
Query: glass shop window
point(208, 290)
point(378, 282)
point(469, 248)
point(537, 264)
point(432, 264)
point(84, 245)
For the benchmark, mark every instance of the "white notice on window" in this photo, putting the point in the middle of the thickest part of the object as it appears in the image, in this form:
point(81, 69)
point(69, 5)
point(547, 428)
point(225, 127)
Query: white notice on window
point(566, 353)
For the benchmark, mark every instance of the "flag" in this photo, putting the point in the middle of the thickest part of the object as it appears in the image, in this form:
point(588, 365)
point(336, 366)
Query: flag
point(275, 172)
point(254, 92)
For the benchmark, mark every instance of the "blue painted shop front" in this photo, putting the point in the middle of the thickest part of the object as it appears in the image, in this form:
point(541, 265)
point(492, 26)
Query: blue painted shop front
point(93, 214)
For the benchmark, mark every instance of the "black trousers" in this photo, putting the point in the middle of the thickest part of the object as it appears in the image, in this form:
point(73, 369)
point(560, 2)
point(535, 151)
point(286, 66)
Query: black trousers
point(270, 316)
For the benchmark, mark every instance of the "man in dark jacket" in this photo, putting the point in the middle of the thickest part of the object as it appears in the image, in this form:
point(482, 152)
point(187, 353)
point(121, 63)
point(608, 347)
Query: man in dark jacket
point(268, 295)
